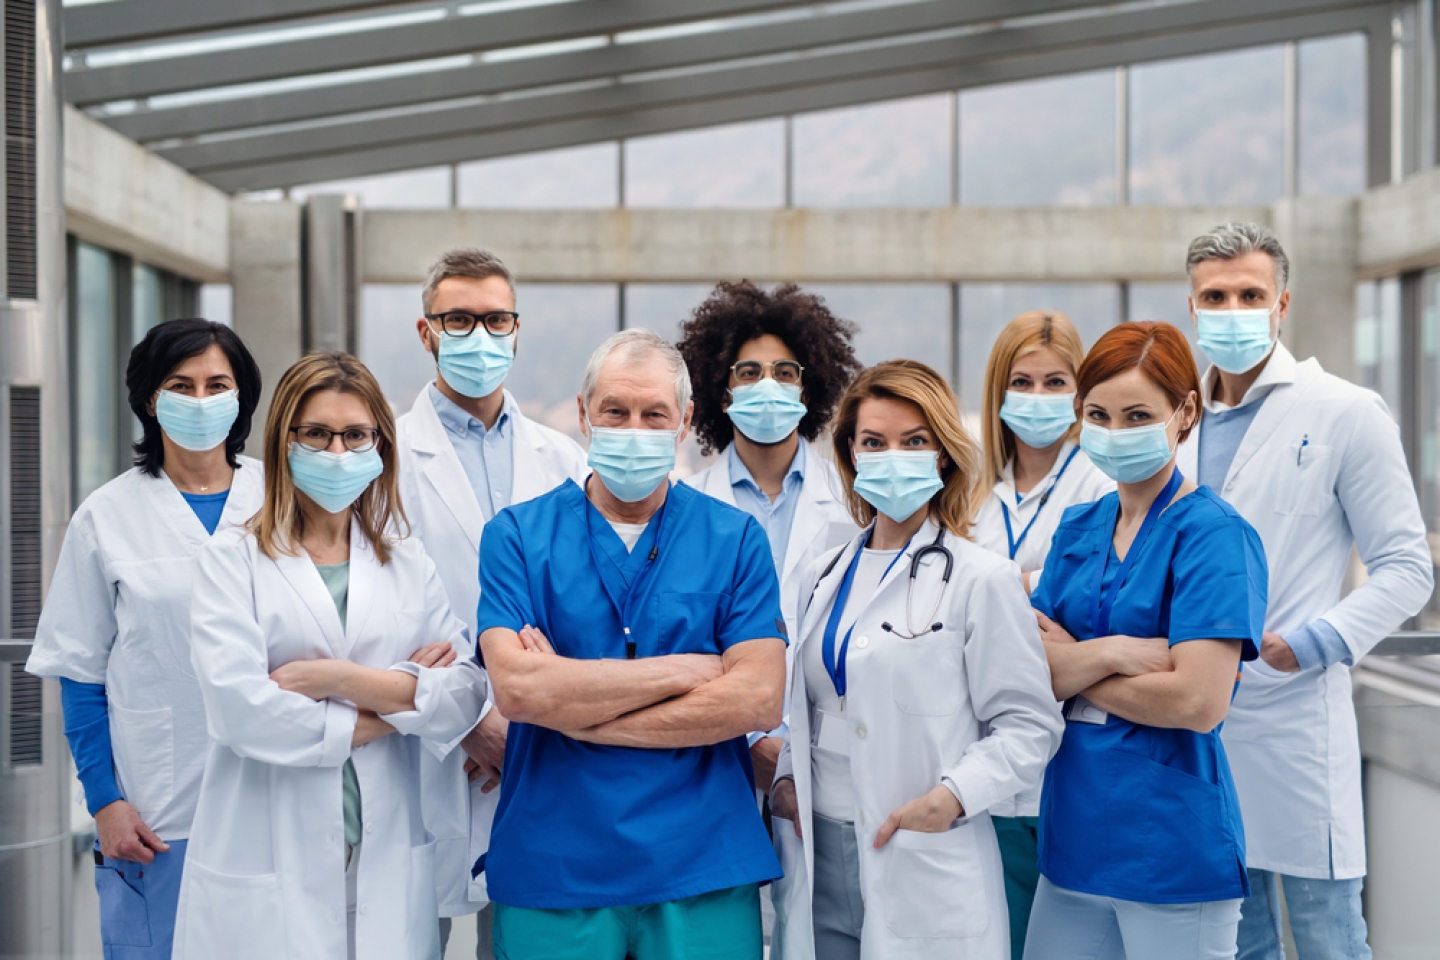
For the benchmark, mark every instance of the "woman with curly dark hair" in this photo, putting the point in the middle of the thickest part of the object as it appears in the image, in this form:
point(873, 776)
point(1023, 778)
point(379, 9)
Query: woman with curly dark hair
point(768, 368)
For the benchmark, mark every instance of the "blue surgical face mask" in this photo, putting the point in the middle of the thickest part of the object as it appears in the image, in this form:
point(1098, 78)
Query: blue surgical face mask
point(898, 482)
point(333, 480)
point(1128, 456)
point(631, 463)
point(1235, 340)
point(195, 423)
point(1038, 419)
point(766, 412)
point(476, 365)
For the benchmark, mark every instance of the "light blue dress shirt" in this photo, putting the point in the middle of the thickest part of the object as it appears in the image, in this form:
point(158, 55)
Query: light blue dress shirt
point(774, 518)
point(1317, 644)
point(486, 456)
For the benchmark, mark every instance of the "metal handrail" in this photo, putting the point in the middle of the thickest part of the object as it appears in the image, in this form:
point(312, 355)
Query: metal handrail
point(15, 651)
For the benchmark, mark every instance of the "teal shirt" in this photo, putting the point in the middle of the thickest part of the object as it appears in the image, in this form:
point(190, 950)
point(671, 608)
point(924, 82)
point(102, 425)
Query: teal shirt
point(337, 581)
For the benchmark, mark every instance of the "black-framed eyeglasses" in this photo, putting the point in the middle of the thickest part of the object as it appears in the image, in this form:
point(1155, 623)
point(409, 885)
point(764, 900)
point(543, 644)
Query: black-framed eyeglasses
point(753, 371)
point(462, 323)
point(356, 439)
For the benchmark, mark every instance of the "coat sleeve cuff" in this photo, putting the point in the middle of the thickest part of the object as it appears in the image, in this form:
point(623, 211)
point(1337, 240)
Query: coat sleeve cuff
point(785, 764)
point(972, 787)
point(448, 704)
point(340, 720)
point(1318, 644)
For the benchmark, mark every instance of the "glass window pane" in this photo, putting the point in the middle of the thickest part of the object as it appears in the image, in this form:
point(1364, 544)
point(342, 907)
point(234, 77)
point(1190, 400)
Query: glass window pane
point(408, 189)
point(389, 344)
point(561, 324)
point(894, 154)
point(147, 305)
point(1332, 115)
point(1429, 379)
point(1169, 302)
point(896, 321)
point(574, 178)
point(742, 165)
point(985, 308)
point(1209, 129)
point(1039, 143)
point(95, 378)
point(1377, 340)
point(217, 303)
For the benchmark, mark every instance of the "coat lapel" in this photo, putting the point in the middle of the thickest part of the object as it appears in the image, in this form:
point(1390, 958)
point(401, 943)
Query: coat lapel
point(812, 514)
point(530, 479)
point(364, 587)
point(177, 515)
point(826, 588)
point(299, 571)
point(1278, 405)
point(441, 468)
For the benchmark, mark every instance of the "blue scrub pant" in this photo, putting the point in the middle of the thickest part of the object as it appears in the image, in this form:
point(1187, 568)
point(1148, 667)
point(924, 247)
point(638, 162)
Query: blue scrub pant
point(1325, 918)
point(138, 902)
point(1067, 925)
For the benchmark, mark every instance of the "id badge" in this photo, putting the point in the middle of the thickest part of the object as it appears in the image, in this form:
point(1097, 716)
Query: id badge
point(1083, 711)
point(833, 733)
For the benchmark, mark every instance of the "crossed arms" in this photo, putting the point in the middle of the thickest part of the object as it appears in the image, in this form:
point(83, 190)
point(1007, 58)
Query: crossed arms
point(682, 700)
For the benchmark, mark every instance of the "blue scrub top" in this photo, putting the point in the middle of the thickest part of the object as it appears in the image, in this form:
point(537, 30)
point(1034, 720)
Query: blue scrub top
point(1143, 813)
point(581, 825)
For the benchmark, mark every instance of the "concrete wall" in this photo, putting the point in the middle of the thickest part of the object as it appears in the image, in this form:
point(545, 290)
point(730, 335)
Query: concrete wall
point(266, 280)
point(121, 196)
point(1319, 236)
point(1399, 226)
point(942, 244)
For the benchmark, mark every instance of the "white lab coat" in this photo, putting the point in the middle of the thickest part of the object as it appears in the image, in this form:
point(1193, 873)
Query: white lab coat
point(444, 516)
point(265, 869)
point(1082, 483)
point(971, 703)
point(118, 614)
point(821, 523)
point(1291, 738)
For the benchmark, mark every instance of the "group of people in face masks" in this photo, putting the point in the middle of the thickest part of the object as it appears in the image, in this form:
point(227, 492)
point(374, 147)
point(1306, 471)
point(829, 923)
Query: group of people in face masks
point(868, 681)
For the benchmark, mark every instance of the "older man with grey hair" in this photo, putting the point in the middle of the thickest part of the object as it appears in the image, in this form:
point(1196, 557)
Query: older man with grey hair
point(633, 635)
point(466, 451)
point(1315, 464)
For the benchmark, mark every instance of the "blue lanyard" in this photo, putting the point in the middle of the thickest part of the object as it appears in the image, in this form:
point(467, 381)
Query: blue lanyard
point(837, 610)
point(627, 608)
point(1044, 499)
point(1100, 611)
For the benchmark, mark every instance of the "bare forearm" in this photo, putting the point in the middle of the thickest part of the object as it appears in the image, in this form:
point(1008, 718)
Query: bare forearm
point(1077, 667)
point(374, 689)
point(1169, 700)
point(718, 711)
point(564, 694)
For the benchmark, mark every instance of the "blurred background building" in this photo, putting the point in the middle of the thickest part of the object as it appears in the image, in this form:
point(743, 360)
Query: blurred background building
point(932, 167)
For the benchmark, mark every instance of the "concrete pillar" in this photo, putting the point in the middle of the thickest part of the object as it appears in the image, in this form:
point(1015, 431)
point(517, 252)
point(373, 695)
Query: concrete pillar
point(265, 272)
point(1320, 235)
point(329, 248)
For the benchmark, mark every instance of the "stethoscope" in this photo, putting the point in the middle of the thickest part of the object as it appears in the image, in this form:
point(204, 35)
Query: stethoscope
point(835, 664)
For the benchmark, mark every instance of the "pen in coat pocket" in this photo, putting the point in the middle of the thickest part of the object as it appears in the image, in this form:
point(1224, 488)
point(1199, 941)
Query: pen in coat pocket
point(1304, 442)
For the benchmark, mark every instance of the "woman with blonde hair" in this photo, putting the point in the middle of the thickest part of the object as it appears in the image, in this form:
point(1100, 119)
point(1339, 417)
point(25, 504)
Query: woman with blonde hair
point(1034, 469)
point(920, 699)
point(321, 645)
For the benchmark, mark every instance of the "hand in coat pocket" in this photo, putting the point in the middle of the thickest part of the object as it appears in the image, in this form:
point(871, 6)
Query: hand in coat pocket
point(931, 813)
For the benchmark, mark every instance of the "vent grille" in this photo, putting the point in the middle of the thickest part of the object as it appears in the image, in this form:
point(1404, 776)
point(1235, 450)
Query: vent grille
point(20, 241)
point(27, 744)
point(24, 519)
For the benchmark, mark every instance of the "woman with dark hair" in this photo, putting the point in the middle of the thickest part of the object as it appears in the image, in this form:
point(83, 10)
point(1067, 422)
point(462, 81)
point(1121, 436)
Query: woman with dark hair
point(768, 369)
point(116, 625)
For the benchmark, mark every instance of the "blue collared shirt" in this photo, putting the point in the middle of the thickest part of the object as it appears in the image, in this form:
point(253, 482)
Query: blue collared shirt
point(775, 518)
point(487, 456)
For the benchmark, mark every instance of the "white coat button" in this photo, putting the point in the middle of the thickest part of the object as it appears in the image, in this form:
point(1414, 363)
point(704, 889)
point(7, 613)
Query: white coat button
point(1230, 486)
point(860, 731)
point(370, 827)
point(862, 642)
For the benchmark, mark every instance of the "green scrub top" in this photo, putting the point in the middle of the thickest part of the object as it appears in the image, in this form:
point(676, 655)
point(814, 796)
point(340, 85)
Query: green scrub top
point(337, 581)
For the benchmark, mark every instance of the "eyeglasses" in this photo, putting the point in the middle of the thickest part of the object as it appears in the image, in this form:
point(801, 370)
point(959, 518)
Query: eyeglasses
point(462, 323)
point(356, 439)
point(783, 371)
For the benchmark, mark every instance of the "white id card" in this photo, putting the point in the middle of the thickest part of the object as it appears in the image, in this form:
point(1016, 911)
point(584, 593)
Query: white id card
point(832, 733)
point(1083, 711)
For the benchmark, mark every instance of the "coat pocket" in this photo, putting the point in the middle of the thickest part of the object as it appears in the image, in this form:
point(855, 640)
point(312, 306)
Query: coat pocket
point(926, 674)
point(934, 885)
point(422, 933)
point(144, 745)
point(233, 918)
point(124, 915)
point(1304, 479)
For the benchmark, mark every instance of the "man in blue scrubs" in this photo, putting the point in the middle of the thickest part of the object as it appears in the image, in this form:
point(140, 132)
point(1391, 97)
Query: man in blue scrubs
point(633, 635)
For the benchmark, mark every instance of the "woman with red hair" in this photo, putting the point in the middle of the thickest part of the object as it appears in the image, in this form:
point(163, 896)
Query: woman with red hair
point(1152, 596)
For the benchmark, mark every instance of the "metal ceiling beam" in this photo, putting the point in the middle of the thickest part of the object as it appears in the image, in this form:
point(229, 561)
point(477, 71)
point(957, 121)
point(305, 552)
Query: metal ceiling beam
point(613, 61)
point(418, 41)
point(739, 81)
point(841, 93)
point(143, 21)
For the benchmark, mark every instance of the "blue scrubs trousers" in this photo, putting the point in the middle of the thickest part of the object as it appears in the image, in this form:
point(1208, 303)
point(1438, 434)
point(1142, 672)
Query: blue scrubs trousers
point(138, 903)
point(1069, 925)
point(1325, 918)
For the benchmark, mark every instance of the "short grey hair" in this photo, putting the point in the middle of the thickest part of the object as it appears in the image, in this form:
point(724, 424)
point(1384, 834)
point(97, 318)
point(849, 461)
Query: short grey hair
point(1231, 240)
point(633, 346)
point(465, 262)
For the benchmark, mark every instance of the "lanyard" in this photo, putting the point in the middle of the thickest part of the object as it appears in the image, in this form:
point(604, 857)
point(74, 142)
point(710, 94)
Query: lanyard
point(835, 668)
point(1100, 610)
point(1044, 499)
point(626, 608)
